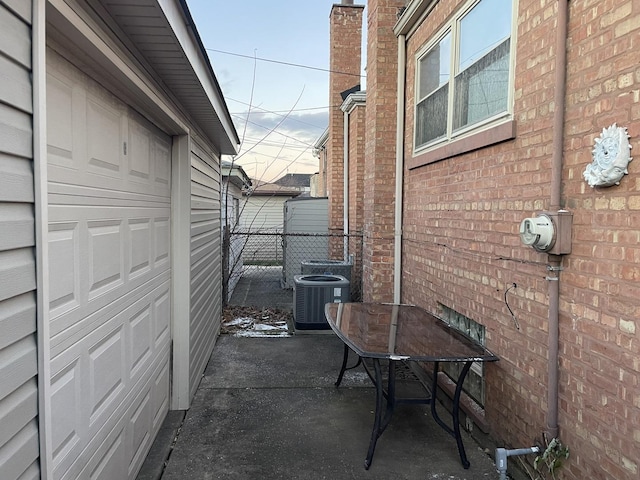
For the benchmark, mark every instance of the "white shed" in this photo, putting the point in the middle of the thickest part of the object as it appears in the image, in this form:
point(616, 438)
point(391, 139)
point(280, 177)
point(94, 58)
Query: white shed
point(304, 218)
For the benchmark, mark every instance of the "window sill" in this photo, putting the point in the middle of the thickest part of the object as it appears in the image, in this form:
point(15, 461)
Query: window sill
point(499, 133)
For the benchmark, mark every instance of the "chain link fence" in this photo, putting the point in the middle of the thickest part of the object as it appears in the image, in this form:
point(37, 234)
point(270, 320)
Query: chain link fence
point(260, 266)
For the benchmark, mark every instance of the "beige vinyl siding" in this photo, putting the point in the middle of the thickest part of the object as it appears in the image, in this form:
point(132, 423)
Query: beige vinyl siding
point(206, 260)
point(19, 443)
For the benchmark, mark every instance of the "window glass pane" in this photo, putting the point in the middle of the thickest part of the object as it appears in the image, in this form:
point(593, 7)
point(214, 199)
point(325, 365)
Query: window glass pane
point(480, 51)
point(487, 25)
point(474, 383)
point(434, 74)
point(482, 80)
point(482, 90)
point(435, 67)
point(431, 116)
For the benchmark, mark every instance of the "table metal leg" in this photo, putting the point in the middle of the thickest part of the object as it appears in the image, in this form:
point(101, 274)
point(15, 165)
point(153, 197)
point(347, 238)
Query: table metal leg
point(455, 413)
point(380, 423)
point(345, 358)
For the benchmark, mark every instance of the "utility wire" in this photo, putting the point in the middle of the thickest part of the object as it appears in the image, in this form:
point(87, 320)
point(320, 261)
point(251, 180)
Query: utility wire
point(273, 130)
point(513, 315)
point(264, 111)
point(285, 63)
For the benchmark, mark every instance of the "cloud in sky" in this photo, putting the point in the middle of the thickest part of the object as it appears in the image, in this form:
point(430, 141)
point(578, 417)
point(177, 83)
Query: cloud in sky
point(275, 144)
point(286, 35)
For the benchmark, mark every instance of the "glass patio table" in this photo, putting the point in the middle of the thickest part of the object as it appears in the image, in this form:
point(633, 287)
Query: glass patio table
point(403, 333)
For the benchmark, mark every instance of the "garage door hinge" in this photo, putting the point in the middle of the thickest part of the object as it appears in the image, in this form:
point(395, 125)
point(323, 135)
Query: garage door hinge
point(124, 147)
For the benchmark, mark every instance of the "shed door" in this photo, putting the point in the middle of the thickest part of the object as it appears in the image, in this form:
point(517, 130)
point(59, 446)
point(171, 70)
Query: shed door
point(109, 277)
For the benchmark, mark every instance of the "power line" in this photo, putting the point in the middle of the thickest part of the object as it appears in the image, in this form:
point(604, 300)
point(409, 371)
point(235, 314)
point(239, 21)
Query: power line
point(285, 63)
point(276, 112)
point(264, 111)
point(273, 131)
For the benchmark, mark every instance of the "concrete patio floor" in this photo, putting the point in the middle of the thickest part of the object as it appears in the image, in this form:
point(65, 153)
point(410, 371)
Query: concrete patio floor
point(267, 408)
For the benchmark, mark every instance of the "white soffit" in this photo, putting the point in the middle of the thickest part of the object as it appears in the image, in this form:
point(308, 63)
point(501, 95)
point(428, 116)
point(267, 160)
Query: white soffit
point(164, 32)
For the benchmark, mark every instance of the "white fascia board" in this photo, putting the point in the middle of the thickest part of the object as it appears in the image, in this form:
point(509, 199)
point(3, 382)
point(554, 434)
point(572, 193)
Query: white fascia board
point(322, 140)
point(352, 101)
point(413, 15)
point(175, 15)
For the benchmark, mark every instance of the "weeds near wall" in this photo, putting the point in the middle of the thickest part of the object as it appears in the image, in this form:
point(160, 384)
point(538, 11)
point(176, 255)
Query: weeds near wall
point(547, 464)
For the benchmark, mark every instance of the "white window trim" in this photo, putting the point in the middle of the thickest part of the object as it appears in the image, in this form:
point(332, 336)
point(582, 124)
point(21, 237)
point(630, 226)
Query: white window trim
point(453, 26)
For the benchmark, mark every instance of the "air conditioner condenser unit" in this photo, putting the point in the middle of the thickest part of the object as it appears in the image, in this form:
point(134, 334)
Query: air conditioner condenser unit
point(311, 293)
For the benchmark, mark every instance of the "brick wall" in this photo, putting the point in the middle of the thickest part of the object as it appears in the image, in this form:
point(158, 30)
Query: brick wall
point(321, 185)
point(356, 187)
point(600, 398)
point(356, 167)
point(461, 246)
point(345, 32)
point(379, 173)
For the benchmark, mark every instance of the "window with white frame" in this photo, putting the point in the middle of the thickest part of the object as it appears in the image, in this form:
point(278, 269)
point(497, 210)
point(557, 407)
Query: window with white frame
point(474, 384)
point(463, 76)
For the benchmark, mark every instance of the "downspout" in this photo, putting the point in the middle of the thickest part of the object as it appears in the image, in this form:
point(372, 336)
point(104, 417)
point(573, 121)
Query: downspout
point(345, 213)
point(397, 247)
point(555, 261)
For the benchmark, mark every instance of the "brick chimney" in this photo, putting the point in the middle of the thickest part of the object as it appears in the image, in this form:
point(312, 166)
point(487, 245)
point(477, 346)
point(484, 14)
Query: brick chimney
point(379, 180)
point(345, 58)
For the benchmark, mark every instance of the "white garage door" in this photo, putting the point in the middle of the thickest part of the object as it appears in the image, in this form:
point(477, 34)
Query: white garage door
point(109, 277)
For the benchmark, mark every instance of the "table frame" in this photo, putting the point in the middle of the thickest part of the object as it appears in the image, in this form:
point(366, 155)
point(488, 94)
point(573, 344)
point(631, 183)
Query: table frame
point(383, 415)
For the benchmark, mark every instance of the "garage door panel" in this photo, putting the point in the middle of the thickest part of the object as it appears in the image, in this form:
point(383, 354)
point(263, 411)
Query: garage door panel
point(140, 158)
point(140, 252)
point(114, 304)
point(142, 340)
point(161, 237)
point(105, 256)
point(119, 151)
point(162, 316)
point(162, 155)
point(159, 399)
point(97, 261)
point(149, 156)
point(66, 400)
point(140, 428)
point(64, 258)
point(112, 463)
point(107, 374)
point(98, 459)
point(59, 117)
point(105, 382)
point(140, 329)
point(109, 196)
point(104, 140)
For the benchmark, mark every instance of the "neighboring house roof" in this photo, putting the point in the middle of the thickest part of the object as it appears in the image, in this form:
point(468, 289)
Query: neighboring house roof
point(299, 180)
point(349, 91)
point(274, 189)
point(236, 175)
point(321, 142)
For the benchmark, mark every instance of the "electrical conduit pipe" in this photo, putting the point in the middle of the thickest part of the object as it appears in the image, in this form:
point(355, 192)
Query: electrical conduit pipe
point(555, 261)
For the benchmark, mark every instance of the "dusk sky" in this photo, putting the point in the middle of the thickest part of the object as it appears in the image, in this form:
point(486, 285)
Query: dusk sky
point(295, 33)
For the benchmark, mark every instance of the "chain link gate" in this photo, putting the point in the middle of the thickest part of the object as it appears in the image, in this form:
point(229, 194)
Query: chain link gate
point(259, 266)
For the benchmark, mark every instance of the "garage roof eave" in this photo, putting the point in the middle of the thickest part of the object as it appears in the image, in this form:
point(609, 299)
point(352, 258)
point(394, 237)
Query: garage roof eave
point(164, 32)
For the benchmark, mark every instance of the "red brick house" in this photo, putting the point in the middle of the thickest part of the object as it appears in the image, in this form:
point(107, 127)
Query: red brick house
point(477, 115)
